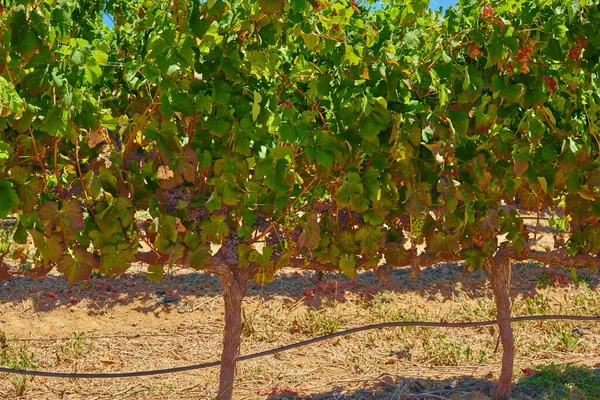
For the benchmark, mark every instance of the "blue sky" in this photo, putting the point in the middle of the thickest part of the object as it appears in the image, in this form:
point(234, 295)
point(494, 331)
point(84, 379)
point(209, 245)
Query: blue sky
point(433, 4)
point(441, 3)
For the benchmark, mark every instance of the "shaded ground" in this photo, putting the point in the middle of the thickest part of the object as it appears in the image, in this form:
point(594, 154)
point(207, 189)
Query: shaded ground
point(134, 324)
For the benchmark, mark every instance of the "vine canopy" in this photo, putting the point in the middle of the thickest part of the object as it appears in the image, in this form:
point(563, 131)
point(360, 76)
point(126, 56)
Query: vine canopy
point(333, 134)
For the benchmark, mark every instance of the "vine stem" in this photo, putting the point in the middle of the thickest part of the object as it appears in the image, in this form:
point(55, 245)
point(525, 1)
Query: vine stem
point(37, 156)
point(139, 122)
point(56, 140)
point(83, 188)
point(313, 104)
point(139, 228)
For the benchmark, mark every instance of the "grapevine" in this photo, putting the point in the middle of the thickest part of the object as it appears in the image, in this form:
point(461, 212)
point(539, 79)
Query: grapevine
point(336, 135)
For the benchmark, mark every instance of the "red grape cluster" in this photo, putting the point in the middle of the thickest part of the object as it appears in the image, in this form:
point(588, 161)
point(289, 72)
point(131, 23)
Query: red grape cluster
point(229, 248)
point(174, 195)
point(322, 206)
point(132, 157)
point(262, 223)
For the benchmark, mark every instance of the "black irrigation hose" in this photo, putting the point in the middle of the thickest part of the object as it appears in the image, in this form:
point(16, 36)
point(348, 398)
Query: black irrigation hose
point(292, 346)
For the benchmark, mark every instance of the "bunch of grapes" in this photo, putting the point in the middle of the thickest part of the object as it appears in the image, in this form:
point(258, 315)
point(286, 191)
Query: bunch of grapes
point(67, 192)
point(173, 196)
point(262, 223)
point(417, 229)
point(132, 157)
point(343, 218)
point(295, 234)
point(271, 238)
point(229, 248)
point(197, 214)
point(322, 206)
point(221, 211)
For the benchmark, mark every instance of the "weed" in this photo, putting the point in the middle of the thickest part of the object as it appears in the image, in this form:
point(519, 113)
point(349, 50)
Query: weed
point(567, 341)
point(587, 300)
point(383, 297)
point(444, 351)
point(17, 358)
point(483, 309)
point(76, 346)
point(536, 305)
point(251, 328)
point(561, 382)
point(317, 324)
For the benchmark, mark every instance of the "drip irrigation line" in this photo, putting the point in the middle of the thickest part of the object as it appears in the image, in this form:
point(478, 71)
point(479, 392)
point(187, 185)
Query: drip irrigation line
point(134, 336)
point(294, 345)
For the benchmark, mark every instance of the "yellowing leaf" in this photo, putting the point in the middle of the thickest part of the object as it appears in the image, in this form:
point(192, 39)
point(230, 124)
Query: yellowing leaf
point(256, 105)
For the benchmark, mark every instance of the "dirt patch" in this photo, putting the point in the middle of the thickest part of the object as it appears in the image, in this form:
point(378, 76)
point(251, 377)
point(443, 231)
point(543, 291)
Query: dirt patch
point(133, 324)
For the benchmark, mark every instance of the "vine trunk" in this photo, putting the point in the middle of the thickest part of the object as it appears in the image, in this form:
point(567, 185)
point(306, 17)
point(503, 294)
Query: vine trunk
point(499, 268)
point(234, 288)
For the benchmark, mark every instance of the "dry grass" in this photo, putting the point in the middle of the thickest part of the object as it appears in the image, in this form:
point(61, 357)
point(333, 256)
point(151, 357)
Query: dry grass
point(178, 322)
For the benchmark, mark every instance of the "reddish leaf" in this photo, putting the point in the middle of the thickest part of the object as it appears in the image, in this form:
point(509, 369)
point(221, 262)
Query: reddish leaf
point(529, 372)
point(50, 248)
point(486, 12)
point(78, 266)
point(311, 235)
point(69, 219)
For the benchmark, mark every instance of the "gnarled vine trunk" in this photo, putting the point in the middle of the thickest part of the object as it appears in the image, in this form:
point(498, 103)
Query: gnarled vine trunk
point(234, 288)
point(499, 268)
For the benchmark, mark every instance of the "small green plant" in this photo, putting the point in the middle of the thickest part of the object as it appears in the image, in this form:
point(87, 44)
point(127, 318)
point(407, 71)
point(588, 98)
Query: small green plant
point(17, 358)
point(444, 351)
point(586, 300)
point(482, 309)
point(560, 382)
point(316, 323)
point(536, 305)
point(567, 341)
point(250, 328)
point(77, 345)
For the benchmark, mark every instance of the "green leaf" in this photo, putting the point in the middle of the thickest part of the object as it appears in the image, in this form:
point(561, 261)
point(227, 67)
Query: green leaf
point(574, 9)
point(182, 103)
point(165, 137)
point(77, 266)
point(412, 39)
point(100, 57)
point(24, 37)
point(55, 122)
point(51, 248)
point(8, 198)
point(311, 40)
point(371, 240)
point(10, 101)
point(20, 235)
point(256, 105)
point(473, 258)
point(116, 259)
point(348, 265)
point(69, 219)
point(460, 122)
point(29, 194)
point(495, 51)
point(155, 272)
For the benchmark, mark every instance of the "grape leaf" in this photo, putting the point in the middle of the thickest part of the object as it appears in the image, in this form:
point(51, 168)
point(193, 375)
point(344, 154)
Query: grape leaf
point(78, 265)
point(69, 219)
point(8, 198)
point(311, 234)
point(271, 7)
point(51, 248)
